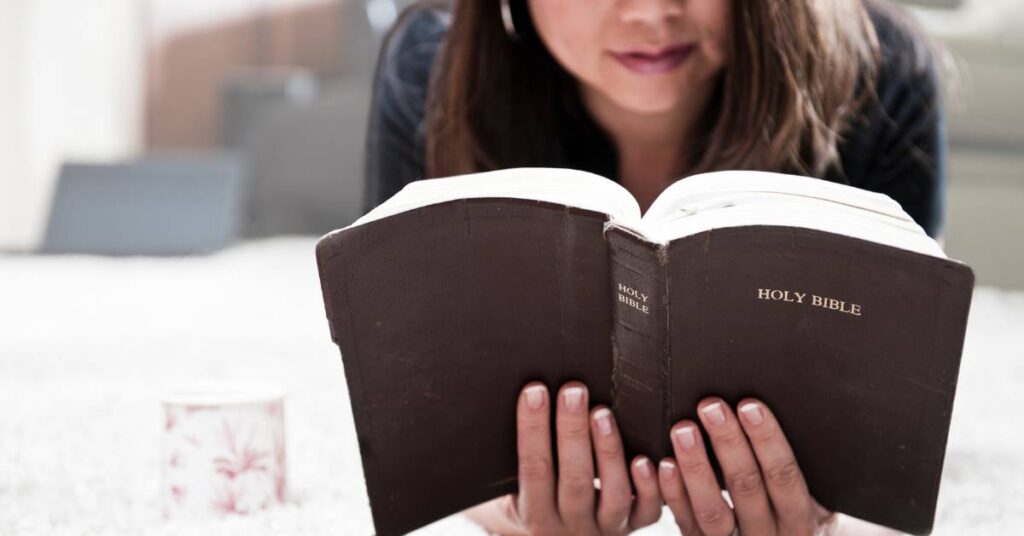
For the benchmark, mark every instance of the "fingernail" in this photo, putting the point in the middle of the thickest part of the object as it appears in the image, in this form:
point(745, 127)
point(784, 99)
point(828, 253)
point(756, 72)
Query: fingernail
point(685, 436)
point(603, 418)
point(713, 413)
point(535, 396)
point(752, 412)
point(643, 466)
point(667, 469)
point(573, 398)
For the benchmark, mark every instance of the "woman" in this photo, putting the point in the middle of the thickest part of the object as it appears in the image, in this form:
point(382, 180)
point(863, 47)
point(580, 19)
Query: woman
point(645, 92)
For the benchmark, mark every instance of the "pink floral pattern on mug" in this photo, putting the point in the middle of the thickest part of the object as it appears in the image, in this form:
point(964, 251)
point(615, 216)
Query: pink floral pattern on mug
point(226, 458)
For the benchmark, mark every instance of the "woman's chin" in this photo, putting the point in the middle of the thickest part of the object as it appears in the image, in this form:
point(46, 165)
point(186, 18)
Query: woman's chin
point(641, 97)
point(649, 103)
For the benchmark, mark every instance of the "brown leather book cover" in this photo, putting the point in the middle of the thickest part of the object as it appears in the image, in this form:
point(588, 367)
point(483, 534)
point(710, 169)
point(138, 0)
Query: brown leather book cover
point(444, 312)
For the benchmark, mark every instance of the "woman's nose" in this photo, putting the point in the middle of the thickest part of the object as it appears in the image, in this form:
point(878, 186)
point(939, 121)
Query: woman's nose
point(649, 11)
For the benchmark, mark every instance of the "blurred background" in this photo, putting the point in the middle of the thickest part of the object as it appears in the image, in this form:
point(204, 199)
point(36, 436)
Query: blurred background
point(253, 113)
point(247, 114)
point(234, 129)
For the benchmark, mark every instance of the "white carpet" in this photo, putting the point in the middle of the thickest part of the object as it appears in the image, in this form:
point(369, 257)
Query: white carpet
point(86, 342)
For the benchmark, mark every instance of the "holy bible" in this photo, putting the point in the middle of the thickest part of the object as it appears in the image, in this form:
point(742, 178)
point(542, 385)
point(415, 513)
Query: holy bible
point(827, 302)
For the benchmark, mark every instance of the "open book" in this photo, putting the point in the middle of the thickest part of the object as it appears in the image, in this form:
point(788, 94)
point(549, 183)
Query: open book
point(826, 301)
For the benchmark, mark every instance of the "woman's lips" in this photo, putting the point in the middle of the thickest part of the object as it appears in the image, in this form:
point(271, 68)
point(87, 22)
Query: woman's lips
point(658, 62)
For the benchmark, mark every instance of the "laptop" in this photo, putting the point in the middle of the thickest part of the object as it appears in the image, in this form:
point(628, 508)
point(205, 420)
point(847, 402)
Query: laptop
point(165, 204)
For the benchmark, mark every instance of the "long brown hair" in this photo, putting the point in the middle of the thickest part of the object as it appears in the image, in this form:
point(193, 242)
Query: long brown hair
point(798, 71)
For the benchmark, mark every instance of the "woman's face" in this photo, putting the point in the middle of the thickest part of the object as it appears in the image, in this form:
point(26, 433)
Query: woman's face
point(645, 56)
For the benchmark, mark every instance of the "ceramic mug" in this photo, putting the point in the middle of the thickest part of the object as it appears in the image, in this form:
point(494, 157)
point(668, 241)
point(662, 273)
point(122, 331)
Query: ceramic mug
point(223, 448)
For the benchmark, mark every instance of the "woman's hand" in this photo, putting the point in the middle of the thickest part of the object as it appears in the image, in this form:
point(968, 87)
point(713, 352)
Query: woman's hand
point(765, 484)
point(566, 502)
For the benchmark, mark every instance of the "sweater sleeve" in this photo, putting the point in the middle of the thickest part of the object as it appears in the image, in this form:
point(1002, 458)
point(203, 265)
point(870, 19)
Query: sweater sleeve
point(396, 135)
point(910, 166)
point(902, 151)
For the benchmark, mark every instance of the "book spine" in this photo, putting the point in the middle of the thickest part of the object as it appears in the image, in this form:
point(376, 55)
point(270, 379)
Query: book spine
point(639, 287)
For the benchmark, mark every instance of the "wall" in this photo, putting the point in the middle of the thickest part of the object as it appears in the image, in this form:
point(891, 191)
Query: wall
point(67, 90)
point(71, 87)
